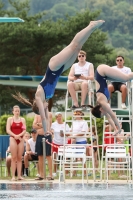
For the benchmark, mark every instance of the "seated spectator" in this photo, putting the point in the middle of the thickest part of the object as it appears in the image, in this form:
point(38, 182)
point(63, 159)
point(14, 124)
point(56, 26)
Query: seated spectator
point(25, 137)
point(120, 86)
point(79, 125)
point(58, 128)
point(78, 78)
point(8, 161)
point(30, 154)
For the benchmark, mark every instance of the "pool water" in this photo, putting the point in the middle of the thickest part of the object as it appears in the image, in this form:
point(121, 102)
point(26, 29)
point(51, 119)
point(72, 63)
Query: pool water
point(55, 191)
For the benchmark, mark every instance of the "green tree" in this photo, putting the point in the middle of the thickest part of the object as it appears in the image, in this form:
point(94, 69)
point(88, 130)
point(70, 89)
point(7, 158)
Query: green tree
point(118, 17)
point(41, 5)
point(56, 8)
point(59, 11)
point(25, 48)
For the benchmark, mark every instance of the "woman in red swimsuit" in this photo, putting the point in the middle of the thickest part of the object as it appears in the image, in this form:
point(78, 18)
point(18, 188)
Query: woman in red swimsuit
point(16, 128)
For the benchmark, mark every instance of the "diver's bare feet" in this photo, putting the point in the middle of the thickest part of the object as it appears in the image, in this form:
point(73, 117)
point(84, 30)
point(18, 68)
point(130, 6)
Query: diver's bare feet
point(96, 24)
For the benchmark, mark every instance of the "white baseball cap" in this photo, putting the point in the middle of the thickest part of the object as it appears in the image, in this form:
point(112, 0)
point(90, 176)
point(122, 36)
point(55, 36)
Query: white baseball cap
point(58, 113)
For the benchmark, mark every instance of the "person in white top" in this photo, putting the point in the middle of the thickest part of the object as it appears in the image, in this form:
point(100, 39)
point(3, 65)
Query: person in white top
point(58, 129)
point(79, 129)
point(30, 151)
point(120, 86)
point(79, 125)
point(78, 78)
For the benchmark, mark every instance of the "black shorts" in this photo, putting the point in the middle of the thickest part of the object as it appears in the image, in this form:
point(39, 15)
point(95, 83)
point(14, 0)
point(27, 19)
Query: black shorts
point(34, 157)
point(39, 145)
point(117, 85)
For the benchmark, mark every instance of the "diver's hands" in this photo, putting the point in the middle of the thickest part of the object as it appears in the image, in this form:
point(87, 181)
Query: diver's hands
point(117, 132)
point(45, 105)
point(48, 133)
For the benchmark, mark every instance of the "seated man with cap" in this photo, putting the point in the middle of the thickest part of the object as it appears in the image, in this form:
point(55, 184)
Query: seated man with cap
point(30, 154)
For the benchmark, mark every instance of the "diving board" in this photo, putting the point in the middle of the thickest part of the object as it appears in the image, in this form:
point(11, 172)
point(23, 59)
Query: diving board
point(11, 19)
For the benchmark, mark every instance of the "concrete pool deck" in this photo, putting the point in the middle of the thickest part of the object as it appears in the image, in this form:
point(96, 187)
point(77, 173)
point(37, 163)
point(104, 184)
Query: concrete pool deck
point(74, 181)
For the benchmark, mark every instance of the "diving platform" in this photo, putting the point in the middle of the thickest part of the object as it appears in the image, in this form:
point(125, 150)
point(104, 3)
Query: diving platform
point(30, 81)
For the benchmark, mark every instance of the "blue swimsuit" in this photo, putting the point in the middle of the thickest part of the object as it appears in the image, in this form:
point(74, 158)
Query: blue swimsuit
point(49, 81)
point(103, 84)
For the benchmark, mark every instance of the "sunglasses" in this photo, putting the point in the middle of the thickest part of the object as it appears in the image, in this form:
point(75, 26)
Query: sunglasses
point(119, 60)
point(81, 56)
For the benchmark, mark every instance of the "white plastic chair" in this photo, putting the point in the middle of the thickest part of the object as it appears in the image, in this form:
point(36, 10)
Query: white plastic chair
point(58, 158)
point(3, 165)
point(74, 158)
point(89, 98)
point(119, 99)
point(32, 166)
point(111, 163)
point(7, 153)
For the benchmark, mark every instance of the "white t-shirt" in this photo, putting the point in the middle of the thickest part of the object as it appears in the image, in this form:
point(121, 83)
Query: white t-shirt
point(32, 144)
point(84, 70)
point(125, 70)
point(79, 126)
point(56, 128)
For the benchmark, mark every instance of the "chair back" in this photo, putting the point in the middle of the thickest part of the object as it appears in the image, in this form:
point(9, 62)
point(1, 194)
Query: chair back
point(73, 152)
point(116, 152)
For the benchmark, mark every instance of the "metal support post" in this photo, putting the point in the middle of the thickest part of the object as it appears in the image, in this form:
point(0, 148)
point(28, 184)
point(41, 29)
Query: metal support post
point(44, 157)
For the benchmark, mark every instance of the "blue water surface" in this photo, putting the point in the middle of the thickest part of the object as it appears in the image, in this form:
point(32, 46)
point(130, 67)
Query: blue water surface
point(54, 191)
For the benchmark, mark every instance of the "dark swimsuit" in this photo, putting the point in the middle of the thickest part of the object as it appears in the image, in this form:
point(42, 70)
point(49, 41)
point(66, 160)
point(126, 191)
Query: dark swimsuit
point(103, 84)
point(49, 81)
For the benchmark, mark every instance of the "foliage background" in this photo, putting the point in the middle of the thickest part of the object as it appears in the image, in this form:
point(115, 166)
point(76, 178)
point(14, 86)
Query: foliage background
point(29, 121)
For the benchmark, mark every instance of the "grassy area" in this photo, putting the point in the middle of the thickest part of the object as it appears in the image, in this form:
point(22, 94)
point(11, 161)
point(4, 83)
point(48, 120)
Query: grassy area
point(32, 175)
point(113, 175)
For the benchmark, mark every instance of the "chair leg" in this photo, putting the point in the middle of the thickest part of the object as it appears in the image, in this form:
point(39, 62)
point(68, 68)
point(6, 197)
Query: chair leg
point(60, 169)
point(5, 170)
point(86, 172)
point(105, 172)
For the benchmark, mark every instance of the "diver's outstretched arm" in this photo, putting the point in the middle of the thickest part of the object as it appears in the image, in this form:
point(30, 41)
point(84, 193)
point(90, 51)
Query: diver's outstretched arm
point(111, 116)
point(40, 106)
